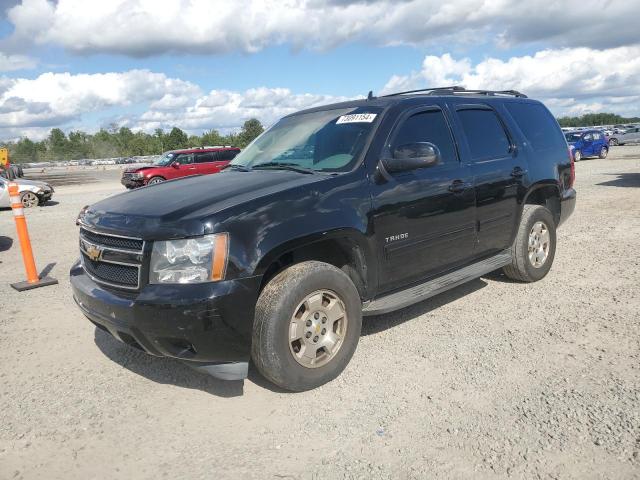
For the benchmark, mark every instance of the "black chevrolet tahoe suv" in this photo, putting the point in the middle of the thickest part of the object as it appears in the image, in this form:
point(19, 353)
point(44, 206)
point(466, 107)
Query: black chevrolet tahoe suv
point(357, 208)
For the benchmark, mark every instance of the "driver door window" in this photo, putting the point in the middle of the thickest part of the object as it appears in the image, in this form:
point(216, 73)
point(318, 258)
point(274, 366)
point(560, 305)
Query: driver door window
point(428, 126)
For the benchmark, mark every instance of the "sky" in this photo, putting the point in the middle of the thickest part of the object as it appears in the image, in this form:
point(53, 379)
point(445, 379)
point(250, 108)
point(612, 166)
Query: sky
point(208, 64)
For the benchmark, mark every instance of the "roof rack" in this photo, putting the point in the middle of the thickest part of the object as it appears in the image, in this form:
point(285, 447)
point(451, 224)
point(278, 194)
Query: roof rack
point(458, 89)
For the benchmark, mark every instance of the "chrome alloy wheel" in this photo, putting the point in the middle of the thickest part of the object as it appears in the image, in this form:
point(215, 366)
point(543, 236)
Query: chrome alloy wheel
point(29, 200)
point(317, 329)
point(539, 244)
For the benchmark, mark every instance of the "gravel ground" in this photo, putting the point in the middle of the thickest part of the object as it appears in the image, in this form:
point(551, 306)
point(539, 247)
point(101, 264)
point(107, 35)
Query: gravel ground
point(494, 379)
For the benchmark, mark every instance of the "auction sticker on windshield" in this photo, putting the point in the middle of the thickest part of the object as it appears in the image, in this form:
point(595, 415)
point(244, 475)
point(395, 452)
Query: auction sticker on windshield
point(356, 118)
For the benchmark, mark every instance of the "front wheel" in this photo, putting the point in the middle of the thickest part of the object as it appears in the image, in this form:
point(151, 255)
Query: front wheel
point(534, 248)
point(613, 141)
point(29, 199)
point(155, 180)
point(577, 156)
point(604, 151)
point(307, 326)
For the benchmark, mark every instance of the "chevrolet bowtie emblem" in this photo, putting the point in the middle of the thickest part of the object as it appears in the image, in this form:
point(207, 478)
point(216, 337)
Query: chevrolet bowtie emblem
point(93, 252)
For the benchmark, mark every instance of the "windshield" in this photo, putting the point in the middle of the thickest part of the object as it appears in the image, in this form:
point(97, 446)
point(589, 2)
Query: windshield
point(165, 159)
point(329, 140)
point(572, 136)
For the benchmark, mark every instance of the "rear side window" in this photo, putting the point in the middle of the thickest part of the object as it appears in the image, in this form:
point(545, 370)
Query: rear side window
point(224, 155)
point(537, 125)
point(429, 126)
point(485, 134)
point(203, 157)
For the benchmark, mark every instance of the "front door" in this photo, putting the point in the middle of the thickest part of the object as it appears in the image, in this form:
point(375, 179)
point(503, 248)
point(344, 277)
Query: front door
point(497, 175)
point(587, 145)
point(184, 165)
point(424, 218)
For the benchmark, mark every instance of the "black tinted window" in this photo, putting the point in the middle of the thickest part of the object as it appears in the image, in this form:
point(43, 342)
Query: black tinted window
point(537, 124)
point(203, 157)
point(429, 126)
point(226, 154)
point(485, 135)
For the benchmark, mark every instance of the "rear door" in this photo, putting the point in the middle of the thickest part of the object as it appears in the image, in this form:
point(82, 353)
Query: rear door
point(204, 163)
point(497, 171)
point(223, 157)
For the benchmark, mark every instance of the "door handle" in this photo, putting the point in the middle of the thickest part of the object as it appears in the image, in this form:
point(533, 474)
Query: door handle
point(458, 186)
point(518, 172)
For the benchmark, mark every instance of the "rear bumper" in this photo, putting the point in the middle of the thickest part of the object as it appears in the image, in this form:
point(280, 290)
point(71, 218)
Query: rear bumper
point(567, 204)
point(207, 325)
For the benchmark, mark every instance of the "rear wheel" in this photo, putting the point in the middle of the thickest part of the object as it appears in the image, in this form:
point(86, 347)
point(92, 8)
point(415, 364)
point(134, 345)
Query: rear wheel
point(29, 199)
point(603, 152)
point(534, 248)
point(577, 156)
point(613, 141)
point(155, 180)
point(307, 326)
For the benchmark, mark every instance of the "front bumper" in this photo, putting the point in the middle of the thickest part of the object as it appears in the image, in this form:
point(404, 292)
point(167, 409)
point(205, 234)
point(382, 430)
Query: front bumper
point(207, 325)
point(567, 204)
point(132, 183)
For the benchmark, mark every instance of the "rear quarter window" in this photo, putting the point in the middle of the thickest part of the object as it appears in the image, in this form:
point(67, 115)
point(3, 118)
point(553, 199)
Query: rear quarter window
point(537, 125)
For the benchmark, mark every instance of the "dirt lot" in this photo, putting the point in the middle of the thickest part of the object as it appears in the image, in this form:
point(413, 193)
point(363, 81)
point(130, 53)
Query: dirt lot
point(493, 379)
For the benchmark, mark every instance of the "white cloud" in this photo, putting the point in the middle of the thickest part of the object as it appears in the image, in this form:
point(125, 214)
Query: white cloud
point(148, 27)
point(33, 106)
point(54, 99)
point(570, 80)
point(226, 110)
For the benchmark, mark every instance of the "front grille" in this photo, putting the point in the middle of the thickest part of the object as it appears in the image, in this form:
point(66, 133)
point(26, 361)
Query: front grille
point(111, 241)
point(113, 273)
point(112, 260)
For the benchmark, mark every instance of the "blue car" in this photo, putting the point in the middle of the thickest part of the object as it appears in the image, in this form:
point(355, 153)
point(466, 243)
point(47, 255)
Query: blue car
point(587, 143)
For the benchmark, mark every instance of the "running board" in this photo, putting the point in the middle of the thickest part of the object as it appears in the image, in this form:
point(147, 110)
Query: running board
point(438, 285)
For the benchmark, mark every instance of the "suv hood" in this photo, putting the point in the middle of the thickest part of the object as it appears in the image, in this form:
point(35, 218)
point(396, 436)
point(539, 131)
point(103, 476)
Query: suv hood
point(139, 168)
point(182, 207)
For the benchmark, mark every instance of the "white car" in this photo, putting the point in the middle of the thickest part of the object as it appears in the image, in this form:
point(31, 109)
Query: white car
point(32, 193)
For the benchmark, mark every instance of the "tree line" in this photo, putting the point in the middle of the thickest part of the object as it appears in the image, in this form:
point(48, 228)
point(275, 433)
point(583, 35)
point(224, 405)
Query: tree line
point(122, 142)
point(591, 119)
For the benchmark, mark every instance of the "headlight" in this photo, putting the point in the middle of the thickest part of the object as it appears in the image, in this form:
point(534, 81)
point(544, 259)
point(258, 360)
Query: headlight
point(137, 176)
point(192, 260)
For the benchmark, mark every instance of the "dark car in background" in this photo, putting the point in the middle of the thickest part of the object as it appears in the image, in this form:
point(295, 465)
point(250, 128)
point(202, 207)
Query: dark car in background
point(180, 163)
point(587, 143)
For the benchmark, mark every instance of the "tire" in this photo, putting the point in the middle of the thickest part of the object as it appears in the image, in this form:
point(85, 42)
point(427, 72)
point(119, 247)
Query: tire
point(613, 142)
point(522, 267)
point(577, 156)
point(283, 300)
point(29, 199)
point(155, 180)
point(604, 151)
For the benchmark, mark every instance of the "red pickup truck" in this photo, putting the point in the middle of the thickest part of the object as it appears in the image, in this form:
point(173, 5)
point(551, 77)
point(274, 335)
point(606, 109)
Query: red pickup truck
point(180, 163)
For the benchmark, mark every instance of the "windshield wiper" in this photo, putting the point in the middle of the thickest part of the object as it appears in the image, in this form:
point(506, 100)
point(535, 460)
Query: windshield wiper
point(285, 166)
point(235, 166)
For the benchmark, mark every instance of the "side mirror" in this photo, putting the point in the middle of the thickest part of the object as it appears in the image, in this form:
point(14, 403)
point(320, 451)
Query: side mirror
point(175, 165)
point(412, 156)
